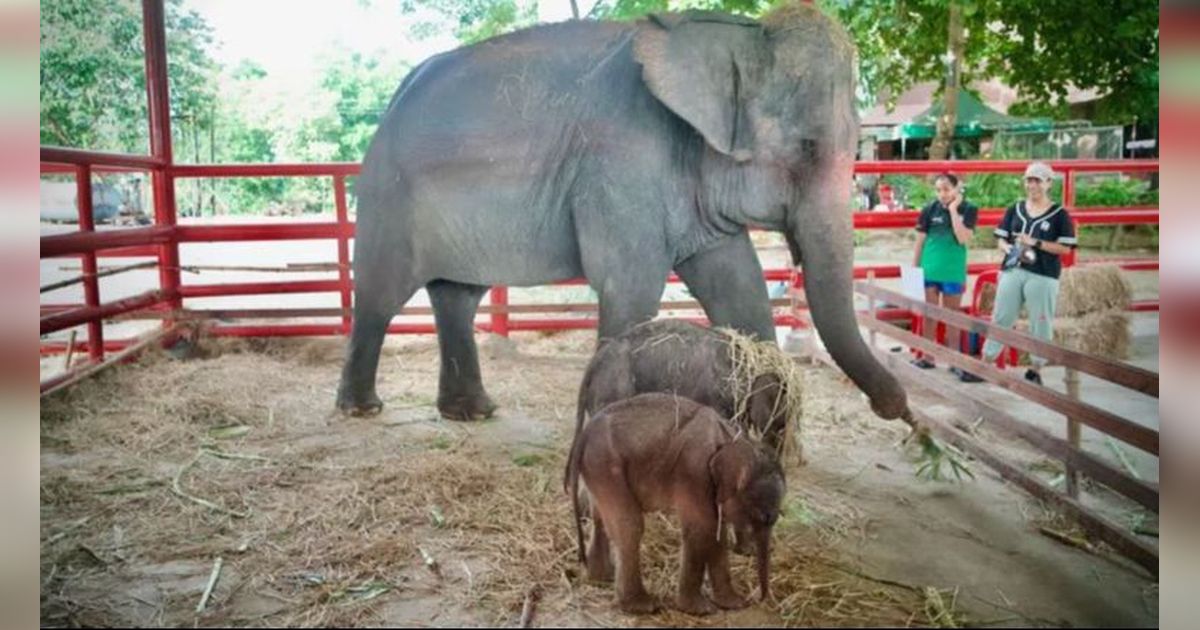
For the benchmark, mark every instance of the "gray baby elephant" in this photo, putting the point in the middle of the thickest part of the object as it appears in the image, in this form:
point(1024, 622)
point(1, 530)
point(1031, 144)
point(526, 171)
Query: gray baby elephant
point(659, 452)
point(691, 361)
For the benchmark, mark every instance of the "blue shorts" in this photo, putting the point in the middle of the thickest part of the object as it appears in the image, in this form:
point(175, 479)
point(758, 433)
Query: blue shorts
point(947, 288)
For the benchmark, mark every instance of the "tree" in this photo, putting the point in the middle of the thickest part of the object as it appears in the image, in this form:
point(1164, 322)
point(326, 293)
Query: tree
point(477, 20)
point(93, 81)
point(1040, 47)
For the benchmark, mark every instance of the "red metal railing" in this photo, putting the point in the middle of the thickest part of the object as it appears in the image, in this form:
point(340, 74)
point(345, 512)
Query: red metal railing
point(163, 239)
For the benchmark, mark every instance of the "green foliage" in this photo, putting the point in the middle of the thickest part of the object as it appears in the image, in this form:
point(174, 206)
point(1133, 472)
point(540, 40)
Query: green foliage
point(634, 9)
point(1114, 191)
point(477, 20)
point(93, 81)
point(1039, 47)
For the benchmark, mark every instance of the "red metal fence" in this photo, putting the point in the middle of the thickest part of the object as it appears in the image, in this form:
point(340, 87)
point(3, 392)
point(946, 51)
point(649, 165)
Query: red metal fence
point(162, 240)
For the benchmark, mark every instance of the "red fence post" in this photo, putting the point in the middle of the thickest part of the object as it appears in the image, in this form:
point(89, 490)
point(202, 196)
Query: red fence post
point(159, 109)
point(500, 315)
point(343, 248)
point(1068, 202)
point(91, 285)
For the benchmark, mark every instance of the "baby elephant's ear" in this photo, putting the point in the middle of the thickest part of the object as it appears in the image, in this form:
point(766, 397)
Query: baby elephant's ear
point(702, 69)
point(729, 468)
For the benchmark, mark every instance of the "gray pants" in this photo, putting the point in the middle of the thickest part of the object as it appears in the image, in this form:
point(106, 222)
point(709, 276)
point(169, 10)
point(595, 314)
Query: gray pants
point(1037, 293)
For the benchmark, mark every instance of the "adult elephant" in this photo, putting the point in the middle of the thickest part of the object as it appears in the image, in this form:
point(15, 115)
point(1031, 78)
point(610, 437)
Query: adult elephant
point(616, 151)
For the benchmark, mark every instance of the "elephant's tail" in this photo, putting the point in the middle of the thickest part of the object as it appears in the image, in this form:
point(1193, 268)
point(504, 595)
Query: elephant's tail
point(571, 484)
point(581, 409)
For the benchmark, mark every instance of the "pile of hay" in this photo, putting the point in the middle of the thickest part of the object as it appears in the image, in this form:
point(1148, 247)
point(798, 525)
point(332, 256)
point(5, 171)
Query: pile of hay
point(1091, 314)
point(1092, 289)
point(752, 358)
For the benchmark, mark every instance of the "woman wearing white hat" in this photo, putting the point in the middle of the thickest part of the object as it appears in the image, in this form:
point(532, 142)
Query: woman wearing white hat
point(1033, 235)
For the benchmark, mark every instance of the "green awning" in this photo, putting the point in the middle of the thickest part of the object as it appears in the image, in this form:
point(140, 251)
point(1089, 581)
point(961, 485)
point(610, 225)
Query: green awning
point(974, 119)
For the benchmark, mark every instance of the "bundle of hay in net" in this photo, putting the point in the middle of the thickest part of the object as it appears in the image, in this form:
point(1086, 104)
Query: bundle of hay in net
point(1091, 289)
point(1104, 334)
point(752, 358)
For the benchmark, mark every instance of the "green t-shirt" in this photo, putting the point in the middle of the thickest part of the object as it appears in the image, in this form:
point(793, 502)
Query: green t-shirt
point(943, 258)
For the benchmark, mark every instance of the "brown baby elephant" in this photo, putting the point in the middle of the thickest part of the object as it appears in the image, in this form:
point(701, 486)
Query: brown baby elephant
point(692, 361)
point(659, 452)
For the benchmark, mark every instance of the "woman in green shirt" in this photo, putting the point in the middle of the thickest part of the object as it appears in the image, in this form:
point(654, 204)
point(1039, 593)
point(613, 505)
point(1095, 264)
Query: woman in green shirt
point(943, 232)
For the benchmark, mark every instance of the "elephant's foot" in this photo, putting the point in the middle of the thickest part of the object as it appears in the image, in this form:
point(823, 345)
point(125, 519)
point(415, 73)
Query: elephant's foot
point(640, 604)
point(466, 407)
point(695, 604)
point(358, 406)
point(729, 600)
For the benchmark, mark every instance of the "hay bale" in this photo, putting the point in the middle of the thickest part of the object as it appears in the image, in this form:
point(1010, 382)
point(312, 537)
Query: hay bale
point(751, 358)
point(1091, 289)
point(1104, 334)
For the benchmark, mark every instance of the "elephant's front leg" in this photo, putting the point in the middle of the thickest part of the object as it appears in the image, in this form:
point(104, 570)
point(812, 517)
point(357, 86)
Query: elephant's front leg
point(701, 550)
point(728, 282)
point(724, 594)
point(460, 386)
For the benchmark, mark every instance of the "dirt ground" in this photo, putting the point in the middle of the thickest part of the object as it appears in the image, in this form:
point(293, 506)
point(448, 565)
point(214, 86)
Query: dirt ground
point(152, 471)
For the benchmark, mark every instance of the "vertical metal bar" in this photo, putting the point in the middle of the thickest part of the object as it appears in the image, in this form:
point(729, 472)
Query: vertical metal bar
point(343, 248)
point(499, 298)
point(1068, 202)
point(1073, 432)
point(91, 284)
point(791, 291)
point(157, 92)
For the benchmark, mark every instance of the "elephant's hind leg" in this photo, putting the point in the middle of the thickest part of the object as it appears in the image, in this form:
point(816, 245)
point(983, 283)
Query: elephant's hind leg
point(460, 386)
point(373, 311)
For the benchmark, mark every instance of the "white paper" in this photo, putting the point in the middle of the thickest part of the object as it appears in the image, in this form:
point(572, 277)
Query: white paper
point(912, 282)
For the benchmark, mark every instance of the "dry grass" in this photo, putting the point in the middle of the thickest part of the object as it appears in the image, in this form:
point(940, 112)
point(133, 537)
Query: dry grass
point(1084, 289)
point(751, 359)
point(1104, 333)
point(341, 514)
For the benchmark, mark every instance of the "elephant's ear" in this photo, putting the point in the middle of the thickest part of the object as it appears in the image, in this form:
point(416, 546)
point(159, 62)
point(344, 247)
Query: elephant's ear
point(702, 65)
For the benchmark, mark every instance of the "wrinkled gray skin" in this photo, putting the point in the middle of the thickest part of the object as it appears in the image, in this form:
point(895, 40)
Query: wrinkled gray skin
point(685, 359)
point(618, 152)
point(659, 452)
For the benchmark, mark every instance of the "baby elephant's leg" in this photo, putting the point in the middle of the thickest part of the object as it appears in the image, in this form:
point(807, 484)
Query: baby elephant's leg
point(622, 517)
point(699, 541)
point(724, 595)
point(599, 557)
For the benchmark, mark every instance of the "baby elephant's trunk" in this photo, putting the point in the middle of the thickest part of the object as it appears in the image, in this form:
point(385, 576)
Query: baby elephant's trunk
point(764, 563)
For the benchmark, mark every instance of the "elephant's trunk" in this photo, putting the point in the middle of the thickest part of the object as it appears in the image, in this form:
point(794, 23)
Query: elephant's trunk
point(821, 237)
point(764, 563)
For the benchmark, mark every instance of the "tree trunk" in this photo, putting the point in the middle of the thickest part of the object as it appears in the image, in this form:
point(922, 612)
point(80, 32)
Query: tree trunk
point(940, 148)
point(575, 9)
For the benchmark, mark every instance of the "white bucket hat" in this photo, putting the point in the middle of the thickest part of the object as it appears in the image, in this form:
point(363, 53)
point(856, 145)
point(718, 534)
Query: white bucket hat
point(1039, 170)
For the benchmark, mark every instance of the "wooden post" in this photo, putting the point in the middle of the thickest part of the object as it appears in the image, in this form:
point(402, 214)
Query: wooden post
point(1073, 431)
point(70, 352)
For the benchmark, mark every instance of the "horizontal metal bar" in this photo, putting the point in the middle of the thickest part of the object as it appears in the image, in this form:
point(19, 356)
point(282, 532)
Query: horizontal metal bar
point(257, 288)
point(262, 232)
point(990, 217)
point(82, 242)
point(1123, 374)
point(266, 170)
point(59, 347)
point(1104, 421)
point(75, 317)
point(933, 167)
point(79, 157)
point(100, 274)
